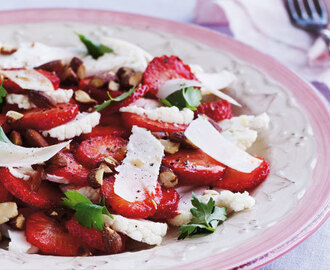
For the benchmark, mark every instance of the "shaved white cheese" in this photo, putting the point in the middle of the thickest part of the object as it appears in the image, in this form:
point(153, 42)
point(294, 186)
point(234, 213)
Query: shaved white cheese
point(17, 156)
point(35, 54)
point(242, 130)
point(147, 103)
point(202, 134)
point(139, 171)
point(89, 192)
point(141, 230)
point(22, 172)
point(166, 114)
point(57, 179)
point(83, 123)
point(18, 242)
point(171, 86)
point(28, 79)
point(23, 101)
point(125, 54)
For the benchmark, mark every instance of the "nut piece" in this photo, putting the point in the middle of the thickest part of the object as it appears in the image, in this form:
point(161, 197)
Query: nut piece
point(95, 177)
point(128, 77)
point(34, 139)
point(170, 147)
point(35, 179)
point(58, 160)
point(112, 241)
point(7, 51)
point(69, 76)
point(106, 168)
point(82, 97)
point(167, 177)
point(16, 138)
point(111, 162)
point(78, 67)
point(113, 85)
point(40, 99)
point(12, 116)
point(160, 134)
point(177, 136)
point(18, 222)
point(8, 210)
point(56, 66)
point(97, 82)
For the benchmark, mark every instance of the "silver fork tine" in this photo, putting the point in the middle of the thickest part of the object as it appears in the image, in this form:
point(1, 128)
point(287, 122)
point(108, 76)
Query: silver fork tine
point(302, 8)
point(322, 8)
point(292, 9)
point(312, 8)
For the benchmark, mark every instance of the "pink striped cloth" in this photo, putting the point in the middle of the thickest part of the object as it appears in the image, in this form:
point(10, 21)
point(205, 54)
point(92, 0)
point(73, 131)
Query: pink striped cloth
point(265, 25)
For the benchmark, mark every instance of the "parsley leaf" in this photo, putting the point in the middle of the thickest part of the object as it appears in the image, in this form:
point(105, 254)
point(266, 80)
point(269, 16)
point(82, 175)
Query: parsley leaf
point(94, 49)
point(3, 91)
point(117, 99)
point(188, 97)
point(87, 213)
point(3, 137)
point(206, 218)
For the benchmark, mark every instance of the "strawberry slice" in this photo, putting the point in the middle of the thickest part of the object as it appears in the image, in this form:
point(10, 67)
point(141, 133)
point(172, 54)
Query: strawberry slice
point(93, 237)
point(118, 131)
point(194, 167)
point(74, 172)
point(164, 68)
point(217, 110)
point(54, 79)
point(114, 107)
point(238, 181)
point(92, 151)
point(131, 119)
point(168, 205)
point(5, 195)
point(51, 237)
point(48, 195)
point(137, 209)
point(45, 119)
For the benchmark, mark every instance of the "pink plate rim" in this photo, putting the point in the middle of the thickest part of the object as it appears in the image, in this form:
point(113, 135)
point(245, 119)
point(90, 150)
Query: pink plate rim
point(311, 211)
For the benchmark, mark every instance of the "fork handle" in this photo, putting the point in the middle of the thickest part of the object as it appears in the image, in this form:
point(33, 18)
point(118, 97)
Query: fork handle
point(325, 33)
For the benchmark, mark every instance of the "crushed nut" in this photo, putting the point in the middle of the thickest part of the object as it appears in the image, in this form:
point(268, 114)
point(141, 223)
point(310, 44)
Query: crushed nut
point(78, 67)
point(170, 147)
point(12, 116)
point(97, 82)
point(35, 179)
point(8, 210)
point(110, 161)
point(17, 222)
point(106, 168)
point(69, 76)
point(160, 134)
point(113, 86)
point(34, 139)
point(82, 97)
point(167, 177)
point(128, 77)
point(95, 177)
point(16, 138)
point(40, 99)
point(112, 241)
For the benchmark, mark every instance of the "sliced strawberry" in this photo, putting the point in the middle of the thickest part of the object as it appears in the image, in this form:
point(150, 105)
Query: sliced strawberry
point(137, 209)
point(12, 87)
point(139, 92)
point(74, 172)
point(3, 123)
point(45, 119)
point(5, 195)
point(118, 131)
point(131, 119)
point(94, 150)
point(54, 79)
point(216, 110)
point(168, 205)
point(194, 167)
point(48, 195)
point(93, 237)
point(238, 181)
point(164, 68)
point(51, 237)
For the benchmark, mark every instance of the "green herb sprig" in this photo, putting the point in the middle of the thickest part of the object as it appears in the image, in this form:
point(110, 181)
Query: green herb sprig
point(117, 99)
point(3, 92)
point(206, 218)
point(188, 97)
point(93, 48)
point(87, 213)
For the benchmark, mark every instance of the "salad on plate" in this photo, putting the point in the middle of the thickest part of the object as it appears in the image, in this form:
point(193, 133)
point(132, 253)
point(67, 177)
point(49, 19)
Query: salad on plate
point(107, 146)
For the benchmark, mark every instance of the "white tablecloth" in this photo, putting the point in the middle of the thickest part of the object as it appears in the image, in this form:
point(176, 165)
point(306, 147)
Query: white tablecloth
point(313, 253)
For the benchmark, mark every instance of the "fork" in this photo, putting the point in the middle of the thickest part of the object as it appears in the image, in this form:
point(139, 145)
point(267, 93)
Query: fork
point(310, 15)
